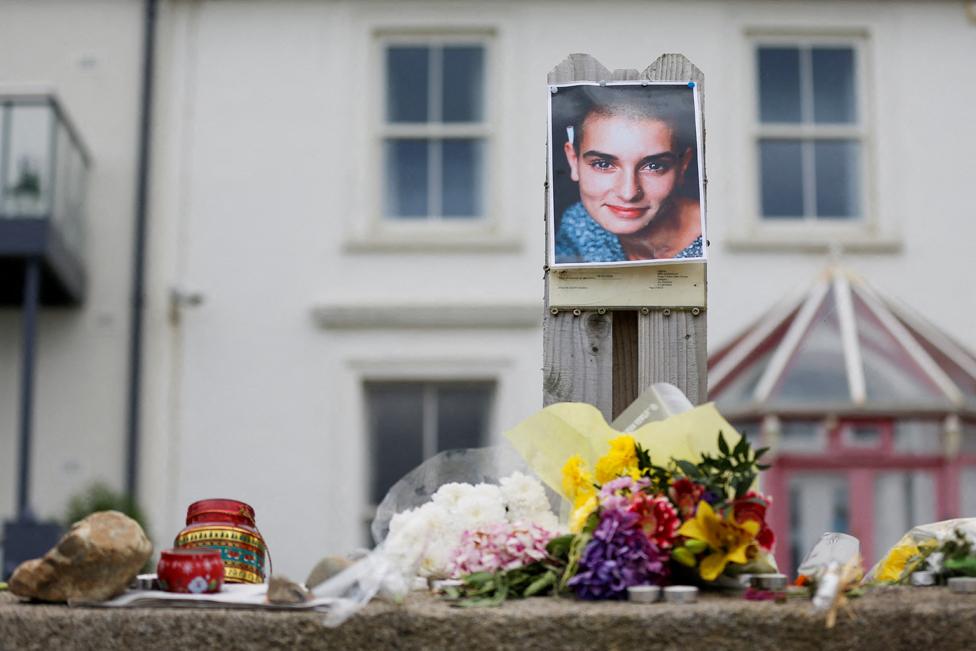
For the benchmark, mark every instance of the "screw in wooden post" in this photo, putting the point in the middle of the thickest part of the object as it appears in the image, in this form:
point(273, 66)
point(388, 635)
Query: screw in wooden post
point(695, 311)
point(577, 312)
point(554, 311)
point(666, 311)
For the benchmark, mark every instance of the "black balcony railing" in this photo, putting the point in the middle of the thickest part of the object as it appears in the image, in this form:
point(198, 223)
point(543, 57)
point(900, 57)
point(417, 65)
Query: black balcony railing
point(43, 179)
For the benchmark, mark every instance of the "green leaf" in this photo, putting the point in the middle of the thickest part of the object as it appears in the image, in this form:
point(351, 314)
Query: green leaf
point(479, 578)
point(965, 565)
point(723, 447)
point(741, 448)
point(690, 469)
point(559, 546)
point(547, 580)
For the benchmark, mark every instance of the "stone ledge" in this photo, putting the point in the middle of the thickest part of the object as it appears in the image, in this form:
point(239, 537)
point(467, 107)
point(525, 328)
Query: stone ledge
point(895, 618)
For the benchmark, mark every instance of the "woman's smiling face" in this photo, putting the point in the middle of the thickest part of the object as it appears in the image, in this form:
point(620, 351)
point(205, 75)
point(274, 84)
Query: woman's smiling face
point(627, 170)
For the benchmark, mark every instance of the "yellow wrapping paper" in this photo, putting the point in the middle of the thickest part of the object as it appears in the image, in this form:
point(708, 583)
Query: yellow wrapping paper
point(551, 436)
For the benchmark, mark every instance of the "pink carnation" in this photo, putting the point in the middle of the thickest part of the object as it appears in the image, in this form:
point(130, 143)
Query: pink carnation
point(500, 546)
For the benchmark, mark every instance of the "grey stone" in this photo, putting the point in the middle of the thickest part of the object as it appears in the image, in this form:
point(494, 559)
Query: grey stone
point(325, 569)
point(282, 590)
point(96, 560)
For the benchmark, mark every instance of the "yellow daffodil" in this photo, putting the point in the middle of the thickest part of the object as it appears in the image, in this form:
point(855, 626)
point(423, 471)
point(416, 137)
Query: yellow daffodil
point(892, 567)
point(620, 460)
point(582, 508)
point(729, 540)
point(576, 478)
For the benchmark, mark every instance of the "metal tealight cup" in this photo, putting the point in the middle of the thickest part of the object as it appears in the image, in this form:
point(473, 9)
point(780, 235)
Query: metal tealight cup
point(962, 584)
point(773, 582)
point(923, 578)
point(644, 594)
point(681, 594)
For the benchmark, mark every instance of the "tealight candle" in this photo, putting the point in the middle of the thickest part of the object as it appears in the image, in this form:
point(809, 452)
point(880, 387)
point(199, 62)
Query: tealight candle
point(923, 578)
point(775, 582)
point(962, 584)
point(645, 594)
point(681, 594)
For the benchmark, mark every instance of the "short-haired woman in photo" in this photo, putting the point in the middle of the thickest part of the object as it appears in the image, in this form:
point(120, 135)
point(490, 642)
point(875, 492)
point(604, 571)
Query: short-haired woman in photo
point(629, 149)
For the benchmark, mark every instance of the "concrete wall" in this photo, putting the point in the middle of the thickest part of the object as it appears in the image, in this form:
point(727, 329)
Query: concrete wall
point(264, 180)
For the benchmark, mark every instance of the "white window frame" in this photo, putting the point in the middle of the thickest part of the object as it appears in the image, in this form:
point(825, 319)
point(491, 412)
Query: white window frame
point(810, 233)
point(432, 232)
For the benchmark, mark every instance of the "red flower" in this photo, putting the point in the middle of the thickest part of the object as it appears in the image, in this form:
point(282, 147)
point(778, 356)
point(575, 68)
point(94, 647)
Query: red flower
point(752, 506)
point(686, 494)
point(658, 518)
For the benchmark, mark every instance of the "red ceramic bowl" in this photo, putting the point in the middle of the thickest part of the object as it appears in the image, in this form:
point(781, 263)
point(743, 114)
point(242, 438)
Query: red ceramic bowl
point(190, 570)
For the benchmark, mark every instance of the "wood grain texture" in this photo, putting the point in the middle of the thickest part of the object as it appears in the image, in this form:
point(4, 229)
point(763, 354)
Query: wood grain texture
point(625, 360)
point(607, 359)
point(578, 360)
point(672, 349)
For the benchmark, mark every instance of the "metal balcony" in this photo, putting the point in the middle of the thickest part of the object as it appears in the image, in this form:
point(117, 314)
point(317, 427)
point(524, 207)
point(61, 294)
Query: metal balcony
point(43, 178)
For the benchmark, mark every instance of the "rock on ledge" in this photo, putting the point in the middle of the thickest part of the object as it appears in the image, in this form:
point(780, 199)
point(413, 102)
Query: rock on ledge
point(96, 560)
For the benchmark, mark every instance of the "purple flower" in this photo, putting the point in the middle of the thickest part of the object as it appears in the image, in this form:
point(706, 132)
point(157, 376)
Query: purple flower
point(711, 497)
point(618, 556)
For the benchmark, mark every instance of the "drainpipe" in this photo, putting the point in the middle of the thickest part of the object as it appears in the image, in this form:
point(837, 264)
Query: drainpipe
point(32, 290)
point(139, 250)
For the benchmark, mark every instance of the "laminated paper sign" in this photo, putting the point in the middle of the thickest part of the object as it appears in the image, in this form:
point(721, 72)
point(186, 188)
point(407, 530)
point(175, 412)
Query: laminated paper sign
point(673, 285)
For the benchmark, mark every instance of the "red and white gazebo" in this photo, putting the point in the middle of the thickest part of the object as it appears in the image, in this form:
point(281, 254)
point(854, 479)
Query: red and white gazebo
point(869, 411)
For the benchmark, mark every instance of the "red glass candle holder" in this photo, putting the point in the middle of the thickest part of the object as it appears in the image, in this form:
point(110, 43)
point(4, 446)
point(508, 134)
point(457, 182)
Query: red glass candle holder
point(227, 526)
point(195, 571)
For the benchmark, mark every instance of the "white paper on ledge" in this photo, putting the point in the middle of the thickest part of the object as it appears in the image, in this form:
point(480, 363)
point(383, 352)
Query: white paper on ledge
point(232, 596)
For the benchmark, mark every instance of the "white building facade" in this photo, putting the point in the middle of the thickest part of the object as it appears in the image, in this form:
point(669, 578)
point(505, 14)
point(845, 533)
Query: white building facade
point(325, 306)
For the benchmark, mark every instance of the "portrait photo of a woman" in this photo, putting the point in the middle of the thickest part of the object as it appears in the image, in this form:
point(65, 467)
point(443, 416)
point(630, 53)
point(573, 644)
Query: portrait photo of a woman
point(626, 177)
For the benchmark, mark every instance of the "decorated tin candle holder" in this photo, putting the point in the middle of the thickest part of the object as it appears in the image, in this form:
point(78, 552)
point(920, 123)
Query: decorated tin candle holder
point(195, 571)
point(227, 526)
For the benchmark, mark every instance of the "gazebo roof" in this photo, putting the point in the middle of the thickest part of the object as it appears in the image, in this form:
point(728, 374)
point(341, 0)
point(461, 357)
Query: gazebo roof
point(840, 347)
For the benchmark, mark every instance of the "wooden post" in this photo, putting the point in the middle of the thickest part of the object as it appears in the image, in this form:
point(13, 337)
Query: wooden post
point(605, 355)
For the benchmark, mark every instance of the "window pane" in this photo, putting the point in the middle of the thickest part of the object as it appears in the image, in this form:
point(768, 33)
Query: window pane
point(891, 375)
point(833, 85)
point(918, 436)
point(461, 176)
point(818, 503)
point(463, 84)
point(817, 372)
point(902, 500)
point(406, 178)
point(395, 412)
point(802, 436)
point(27, 191)
point(407, 83)
point(781, 166)
point(742, 387)
point(462, 415)
point(968, 444)
point(779, 84)
point(967, 490)
point(861, 435)
point(838, 178)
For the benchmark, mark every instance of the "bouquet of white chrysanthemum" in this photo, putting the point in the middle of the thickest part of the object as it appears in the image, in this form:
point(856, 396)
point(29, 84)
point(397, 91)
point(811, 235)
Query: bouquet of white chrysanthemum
point(424, 539)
